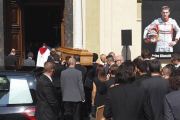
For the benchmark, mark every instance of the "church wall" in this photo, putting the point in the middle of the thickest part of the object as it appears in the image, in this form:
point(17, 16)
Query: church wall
point(92, 29)
point(116, 15)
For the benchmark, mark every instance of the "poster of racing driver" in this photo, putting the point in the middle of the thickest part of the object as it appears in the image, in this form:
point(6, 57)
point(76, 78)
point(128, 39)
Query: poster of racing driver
point(160, 32)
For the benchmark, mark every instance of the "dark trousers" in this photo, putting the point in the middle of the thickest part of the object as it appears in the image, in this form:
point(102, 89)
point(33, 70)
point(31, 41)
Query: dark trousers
point(72, 110)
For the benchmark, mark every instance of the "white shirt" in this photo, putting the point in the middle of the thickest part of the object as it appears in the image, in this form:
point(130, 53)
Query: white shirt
point(177, 66)
point(48, 77)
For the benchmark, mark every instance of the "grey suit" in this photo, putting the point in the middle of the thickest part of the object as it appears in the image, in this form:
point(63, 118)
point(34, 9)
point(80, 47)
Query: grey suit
point(29, 62)
point(71, 85)
point(172, 106)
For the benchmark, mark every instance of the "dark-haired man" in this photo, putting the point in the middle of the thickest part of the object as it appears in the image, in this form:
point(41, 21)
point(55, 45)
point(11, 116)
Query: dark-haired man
point(95, 58)
point(175, 59)
point(145, 54)
point(47, 107)
point(156, 88)
point(142, 70)
point(80, 67)
point(51, 57)
point(110, 61)
point(113, 54)
point(127, 101)
point(11, 59)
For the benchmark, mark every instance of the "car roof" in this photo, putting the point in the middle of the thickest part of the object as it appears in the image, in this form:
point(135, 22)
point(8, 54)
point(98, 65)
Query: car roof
point(16, 73)
point(23, 71)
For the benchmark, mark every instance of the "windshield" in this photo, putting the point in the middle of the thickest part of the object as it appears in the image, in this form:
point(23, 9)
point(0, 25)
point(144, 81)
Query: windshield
point(17, 90)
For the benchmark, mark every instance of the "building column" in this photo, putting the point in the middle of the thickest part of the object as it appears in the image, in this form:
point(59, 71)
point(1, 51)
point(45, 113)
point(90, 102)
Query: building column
point(1, 34)
point(77, 24)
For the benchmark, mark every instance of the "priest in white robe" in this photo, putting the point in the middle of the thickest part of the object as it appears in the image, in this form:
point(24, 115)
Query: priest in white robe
point(42, 57)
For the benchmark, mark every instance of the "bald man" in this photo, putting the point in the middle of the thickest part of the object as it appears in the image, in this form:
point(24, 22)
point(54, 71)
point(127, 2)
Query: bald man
point(47, 107)
point(119, 60)
point(103, 58)
point(72, 91)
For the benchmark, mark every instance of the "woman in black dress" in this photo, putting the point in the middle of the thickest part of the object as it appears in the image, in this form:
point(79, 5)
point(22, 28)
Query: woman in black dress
point(99, 87)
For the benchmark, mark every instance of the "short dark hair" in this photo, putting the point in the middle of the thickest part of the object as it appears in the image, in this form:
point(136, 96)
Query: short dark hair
point(124, 73)
point(137, 60)
point(110, 58)
point(174, 80)
point(52, 53)
point(67, 58)
point(113, 69)
point(142, 66)
point(95, 57)
point(165, 8)
point(176, 57)
point(171, 66)
point(154, 65)
point(30, 54)
point(145, 53)
point(44, 44)
point(77, 57)
point(56, 57)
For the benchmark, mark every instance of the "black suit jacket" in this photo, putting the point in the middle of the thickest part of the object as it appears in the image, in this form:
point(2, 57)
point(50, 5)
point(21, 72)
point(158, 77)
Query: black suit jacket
point(141, 78)
point(83, 70)
point(11, 60)
point(172, 106)
point(57, 75)
point(47, 107)
point(127, 102)
point(50, 59)
point(156, 88)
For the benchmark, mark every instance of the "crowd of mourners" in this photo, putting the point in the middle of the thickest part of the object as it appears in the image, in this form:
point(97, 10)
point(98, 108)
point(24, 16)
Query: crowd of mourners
point(128, 90)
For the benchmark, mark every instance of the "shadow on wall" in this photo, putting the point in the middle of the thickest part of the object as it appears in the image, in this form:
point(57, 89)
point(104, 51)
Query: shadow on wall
point(124, 50)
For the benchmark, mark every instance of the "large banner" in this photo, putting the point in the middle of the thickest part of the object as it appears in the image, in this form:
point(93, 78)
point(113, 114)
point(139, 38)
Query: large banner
point(160, 27)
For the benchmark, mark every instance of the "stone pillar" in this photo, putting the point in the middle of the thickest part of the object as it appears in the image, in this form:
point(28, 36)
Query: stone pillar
point(1, 34)
point(69, 23)
point(77, 24)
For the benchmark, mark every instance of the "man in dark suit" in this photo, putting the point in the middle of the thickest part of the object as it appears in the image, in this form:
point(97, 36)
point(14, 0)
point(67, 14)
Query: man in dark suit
point(47, 107)
point(72, 91)
point(56, 77)
point(29, 61)
point(95, 57)
point(11, 59)
point(127, 101)
point(80, 67)
point(142, 70)
point(175, 59)
point(156, 88)
point(110, 61)
point(50, 58)
point(171, 101)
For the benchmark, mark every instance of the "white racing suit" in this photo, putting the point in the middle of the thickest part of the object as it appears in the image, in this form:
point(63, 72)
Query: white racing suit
point(165, 31)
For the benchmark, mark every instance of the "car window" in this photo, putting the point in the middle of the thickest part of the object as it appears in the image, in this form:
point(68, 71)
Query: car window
point(16, 90)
